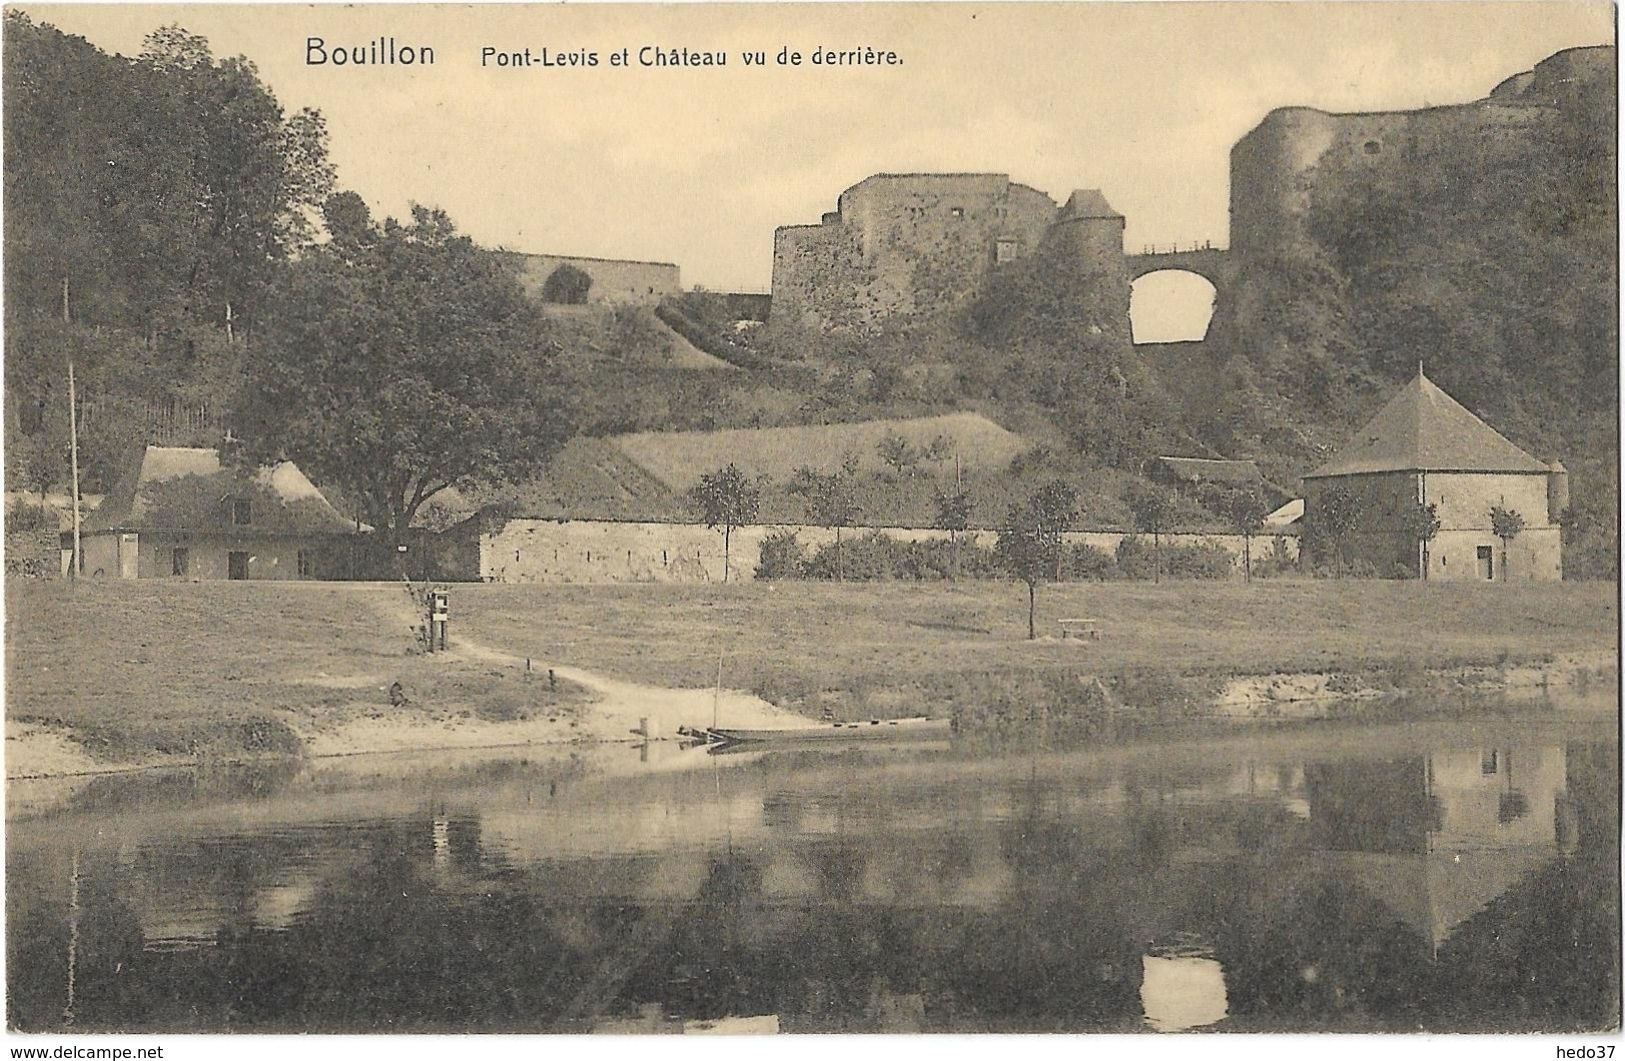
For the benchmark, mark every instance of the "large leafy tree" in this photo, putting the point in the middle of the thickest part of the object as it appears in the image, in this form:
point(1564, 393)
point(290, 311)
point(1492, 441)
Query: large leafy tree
point(398, 361)
point(167, 188)
point(1330, 520)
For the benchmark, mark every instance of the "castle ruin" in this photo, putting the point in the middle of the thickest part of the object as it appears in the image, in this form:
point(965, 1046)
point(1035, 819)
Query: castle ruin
point(907, 244)
point(1275, 168)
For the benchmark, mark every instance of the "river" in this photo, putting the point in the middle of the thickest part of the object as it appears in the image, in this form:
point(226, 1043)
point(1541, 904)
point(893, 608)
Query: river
point(1445, 875)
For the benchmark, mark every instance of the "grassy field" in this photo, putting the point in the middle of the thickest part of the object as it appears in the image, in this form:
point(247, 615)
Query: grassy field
point(679, 458)
point(139, 666)
point(135, 669)
point(771, 634)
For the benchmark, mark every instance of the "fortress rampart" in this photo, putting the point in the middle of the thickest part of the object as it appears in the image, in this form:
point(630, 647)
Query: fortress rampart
point(1274, 168)
point(614, 281)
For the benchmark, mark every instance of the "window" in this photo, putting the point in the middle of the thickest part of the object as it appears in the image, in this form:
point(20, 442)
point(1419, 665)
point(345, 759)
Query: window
point(1005, 250)
point(957, 211)
point(1372, 147)
point(242, 512)
point(180, 560)
point(1489, 763)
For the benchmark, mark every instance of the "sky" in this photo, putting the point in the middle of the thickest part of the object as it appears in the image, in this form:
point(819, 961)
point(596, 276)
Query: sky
point(698, 165)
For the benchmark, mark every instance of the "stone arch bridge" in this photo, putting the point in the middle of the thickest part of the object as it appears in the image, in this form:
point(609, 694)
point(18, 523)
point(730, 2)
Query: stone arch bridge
point(1205, 260)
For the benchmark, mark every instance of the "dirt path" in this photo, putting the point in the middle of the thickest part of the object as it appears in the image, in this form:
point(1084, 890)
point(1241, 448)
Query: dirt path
point(616, 713)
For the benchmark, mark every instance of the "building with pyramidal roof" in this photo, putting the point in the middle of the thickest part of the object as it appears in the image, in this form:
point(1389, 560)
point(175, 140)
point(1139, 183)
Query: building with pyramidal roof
point(1425, 446)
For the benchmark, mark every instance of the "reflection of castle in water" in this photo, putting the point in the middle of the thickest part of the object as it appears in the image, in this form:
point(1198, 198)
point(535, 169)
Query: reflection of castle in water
point(1434, 837)
point(1044, 890)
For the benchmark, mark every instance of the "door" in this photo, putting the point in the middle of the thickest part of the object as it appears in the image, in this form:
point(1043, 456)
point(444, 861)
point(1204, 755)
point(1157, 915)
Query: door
point(180, 561)
point(236, 565)
point(1486, 563)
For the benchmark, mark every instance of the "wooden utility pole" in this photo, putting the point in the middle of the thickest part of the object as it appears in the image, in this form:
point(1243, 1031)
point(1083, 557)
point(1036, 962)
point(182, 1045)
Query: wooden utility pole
point(78, 562)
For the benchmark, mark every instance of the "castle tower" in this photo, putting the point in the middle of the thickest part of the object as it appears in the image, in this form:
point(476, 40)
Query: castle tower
point(1085, 245)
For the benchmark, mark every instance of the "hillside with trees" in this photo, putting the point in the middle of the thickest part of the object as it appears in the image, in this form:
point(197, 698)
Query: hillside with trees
point(179, 233)
point(150, 202)
point(1490, 258)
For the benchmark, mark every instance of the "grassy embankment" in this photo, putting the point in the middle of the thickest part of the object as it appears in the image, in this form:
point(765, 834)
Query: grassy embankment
point(138, 670)
point(133, 670)
point(896, 648)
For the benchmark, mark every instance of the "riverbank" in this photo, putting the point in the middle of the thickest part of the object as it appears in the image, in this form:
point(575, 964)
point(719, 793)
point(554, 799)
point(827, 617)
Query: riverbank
point(111, 675)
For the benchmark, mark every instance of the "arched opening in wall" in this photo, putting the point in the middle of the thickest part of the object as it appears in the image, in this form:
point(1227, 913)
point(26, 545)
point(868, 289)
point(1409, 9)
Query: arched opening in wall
point(1171, 306)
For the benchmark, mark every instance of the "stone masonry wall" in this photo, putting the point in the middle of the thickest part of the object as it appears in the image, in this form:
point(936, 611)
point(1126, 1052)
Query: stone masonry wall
point(1463, 504)
point(1274, 169)
point(903, 244)
point(614, 282)
point(594, 551)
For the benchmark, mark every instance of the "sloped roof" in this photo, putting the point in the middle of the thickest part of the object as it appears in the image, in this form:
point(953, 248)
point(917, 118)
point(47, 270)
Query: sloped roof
point(1087, 203)
point(184, 489)
point(1423, 429)
point(1286, 515)
point(1209, 470)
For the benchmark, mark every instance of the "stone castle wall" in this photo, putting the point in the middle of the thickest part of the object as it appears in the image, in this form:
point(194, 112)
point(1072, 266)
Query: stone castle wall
point(1275, 168)
point(614, 282)
point(910, 244)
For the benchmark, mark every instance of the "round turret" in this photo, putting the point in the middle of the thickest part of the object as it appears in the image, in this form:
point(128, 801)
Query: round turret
point(1557, 491)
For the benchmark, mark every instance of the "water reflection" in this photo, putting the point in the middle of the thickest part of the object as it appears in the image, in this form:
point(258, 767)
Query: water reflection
point(1381, 878)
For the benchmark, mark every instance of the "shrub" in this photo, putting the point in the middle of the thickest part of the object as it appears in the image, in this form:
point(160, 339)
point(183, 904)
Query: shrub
point(24, 516)
point(782, 557)
point(678, 316)
point(566, 285)
point(871, 557)
point(1083, 562)
point(1135, 558)
point(1207, 560)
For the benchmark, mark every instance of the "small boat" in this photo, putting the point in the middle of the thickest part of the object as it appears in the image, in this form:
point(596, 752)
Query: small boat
point(874, 729)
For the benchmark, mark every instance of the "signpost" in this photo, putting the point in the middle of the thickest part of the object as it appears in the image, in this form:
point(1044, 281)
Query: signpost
point(439, 613)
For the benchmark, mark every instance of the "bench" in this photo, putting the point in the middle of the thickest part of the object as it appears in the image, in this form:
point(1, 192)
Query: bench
point(1080, 628)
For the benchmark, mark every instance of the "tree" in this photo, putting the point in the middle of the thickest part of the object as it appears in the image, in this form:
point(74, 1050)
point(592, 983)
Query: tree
point(1152, 508)
point(1329, 521)
point(830, 500)
point(1029, 547)
point(953, 515)
point(1591, 538)
point(401, 365)
point(566, 285)
point(1420, 525)
point(729, 499)
point(170, 188)
point(1246, 508)
point(1507, 525)
point(1056, 507)
point(899, 454)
